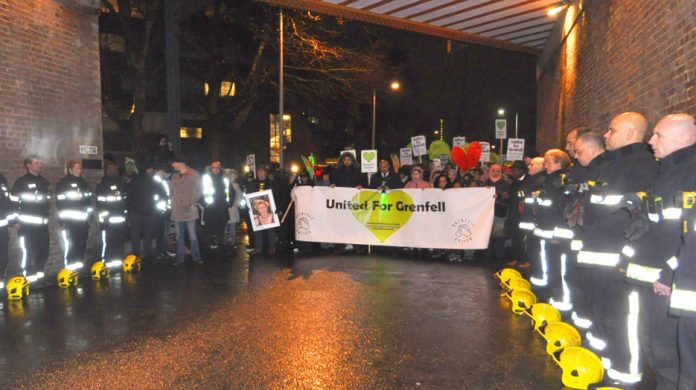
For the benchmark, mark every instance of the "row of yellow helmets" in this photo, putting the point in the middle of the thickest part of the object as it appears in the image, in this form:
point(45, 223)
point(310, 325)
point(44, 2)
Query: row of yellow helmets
point(18, 286)
point(581, 367)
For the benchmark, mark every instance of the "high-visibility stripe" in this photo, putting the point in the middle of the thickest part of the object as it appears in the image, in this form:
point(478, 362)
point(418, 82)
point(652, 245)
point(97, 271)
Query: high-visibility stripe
point(683, 299)
point(73, 195)
point(32, 219)
point(117, 219)
point(74, 215)
point(624, 377)
point(608, 200)
point(595, 342)
point(75, 266)
point(580, 322)
point(672, 213)
point(529, 200)
point(110, 198)
point(563, 233)
point(544, 280)
point(548, 234)
point(628, 251)
point(634, 374)
point(653, 217)
point(576, 245)
point(527, 226)
point(37, 198)
point(113, 264)
point(66, 245)
point(23, 246)
point(643, 273)
point(605, 259)
point(544, 202)
point(103, 237)
point(4, 222)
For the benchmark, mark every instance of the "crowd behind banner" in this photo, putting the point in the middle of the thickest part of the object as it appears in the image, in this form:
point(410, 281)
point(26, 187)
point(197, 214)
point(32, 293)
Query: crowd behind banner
point(604, 228)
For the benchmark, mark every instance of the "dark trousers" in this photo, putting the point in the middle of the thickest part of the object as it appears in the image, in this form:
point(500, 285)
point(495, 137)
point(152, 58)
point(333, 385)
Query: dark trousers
point(658, 338)
point(686, 337)
point(265, 238)
point(113, 237)
point(160, 231)
point(554, 253)
point(579, 279)
point(74, 241)
point(141, 233)
point(34, 245)
point(612, 320)
point(4, 252)
point(215, 233)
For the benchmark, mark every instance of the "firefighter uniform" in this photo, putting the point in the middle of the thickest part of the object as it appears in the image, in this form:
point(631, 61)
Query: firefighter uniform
point(74, 204)
point(7, 216)
point(33, 205)
point(111, 209)
point(216, 203)
point(647, 259)
point(614, 303)
point(546, 273)
point(161, 220)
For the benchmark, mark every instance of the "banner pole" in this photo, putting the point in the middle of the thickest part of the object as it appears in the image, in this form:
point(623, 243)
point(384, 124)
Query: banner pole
point(287, 210)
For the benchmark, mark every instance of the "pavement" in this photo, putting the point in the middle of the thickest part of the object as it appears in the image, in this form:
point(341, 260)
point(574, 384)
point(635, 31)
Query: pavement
point(324, 322)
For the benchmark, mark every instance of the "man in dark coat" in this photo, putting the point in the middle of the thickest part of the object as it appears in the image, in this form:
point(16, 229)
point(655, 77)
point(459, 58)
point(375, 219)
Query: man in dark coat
point(386, 178)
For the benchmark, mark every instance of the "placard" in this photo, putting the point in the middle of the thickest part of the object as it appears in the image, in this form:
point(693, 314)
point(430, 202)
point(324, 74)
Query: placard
point(418, 144)
point(459, 141)
point(444, 159)
point(500, 128)
point(406, 156)
point(515, 149)
point(262, 210)
point(368, 161)
point(251, 163)
point(89, 149)
point(485, 152)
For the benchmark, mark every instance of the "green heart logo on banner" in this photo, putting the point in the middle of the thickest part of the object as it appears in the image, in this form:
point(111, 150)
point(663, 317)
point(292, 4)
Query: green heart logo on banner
point(385, 219)
point(500, 124)
point(369, 156)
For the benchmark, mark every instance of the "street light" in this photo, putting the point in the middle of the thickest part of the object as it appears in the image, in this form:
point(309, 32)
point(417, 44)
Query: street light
point(394, 86)
point(501, 111)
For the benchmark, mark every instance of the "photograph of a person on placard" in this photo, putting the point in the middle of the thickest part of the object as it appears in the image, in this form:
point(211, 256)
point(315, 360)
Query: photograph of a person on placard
point(262, 210)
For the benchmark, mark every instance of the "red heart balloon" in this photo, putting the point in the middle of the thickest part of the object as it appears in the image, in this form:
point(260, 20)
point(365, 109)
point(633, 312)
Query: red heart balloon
point(474, 153)
point(460, 158)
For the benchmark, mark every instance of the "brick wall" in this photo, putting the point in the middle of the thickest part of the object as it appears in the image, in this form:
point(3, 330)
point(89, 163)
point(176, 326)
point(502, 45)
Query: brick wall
point(622, 55)
point(50, 100)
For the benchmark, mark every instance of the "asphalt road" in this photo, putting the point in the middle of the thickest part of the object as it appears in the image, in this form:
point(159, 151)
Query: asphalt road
point(333, 322)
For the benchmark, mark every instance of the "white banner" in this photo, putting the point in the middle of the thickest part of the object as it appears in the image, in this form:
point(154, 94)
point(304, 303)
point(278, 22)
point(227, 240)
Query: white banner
point(457, 218)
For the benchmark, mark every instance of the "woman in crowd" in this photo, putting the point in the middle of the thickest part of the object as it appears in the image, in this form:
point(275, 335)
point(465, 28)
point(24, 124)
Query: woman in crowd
point(417, 178)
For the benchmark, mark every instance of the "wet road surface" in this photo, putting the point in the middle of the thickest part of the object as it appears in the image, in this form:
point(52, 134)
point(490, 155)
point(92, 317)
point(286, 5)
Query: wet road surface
point(327, 322)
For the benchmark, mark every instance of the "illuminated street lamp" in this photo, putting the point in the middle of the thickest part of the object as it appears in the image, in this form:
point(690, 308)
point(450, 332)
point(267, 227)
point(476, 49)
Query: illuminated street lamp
point(501, 111)
point(394, 86)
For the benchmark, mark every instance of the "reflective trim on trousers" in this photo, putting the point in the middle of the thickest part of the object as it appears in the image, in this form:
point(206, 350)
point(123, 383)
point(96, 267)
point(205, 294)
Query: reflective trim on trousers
point(642, 273)
point(541, 233)
point(596, 342)
point(605, 259)
point(580, 322)
point(566, 304)
point(628, 251)
point(608, 200)
point(633, 342)
point(23, 246)
point(103, 236)
point(117, 220)
point(544, 280)
point(576, 245)
point(683, 299)
point(673, 263)
point(32, 219)
point(563, 233)
point(66, 245)
point(73, 215)
point(33, 278)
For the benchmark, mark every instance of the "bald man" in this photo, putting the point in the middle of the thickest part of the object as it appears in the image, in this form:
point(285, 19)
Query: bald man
point(614, 304)
point(674, 142)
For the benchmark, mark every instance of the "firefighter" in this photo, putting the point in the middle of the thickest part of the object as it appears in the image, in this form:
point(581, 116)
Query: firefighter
point(655, 234)
point(546, 274)
point(531, 184)
point(74, 204)
point(630, 167)
point(32, 195)
point(7, 216)
point(216, 204)
point(111, 210)
point(589, 153)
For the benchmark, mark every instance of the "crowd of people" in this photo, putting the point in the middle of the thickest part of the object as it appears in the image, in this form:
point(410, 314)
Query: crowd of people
point(604, 227)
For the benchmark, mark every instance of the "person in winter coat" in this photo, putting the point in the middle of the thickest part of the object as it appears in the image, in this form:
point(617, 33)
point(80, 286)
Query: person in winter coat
point(347, 174)
point(186, 191)
point(417, 179)
point(235, 205)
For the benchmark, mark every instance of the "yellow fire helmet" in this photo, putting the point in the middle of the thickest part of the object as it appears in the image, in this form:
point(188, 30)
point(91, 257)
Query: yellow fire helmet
point(518, 284)
point(542, 314)
point(505, 274)
point(522, 300)
point(581, 368)
point(132, 263)
point(67, 278)
point(17, 288)
point(559, 336)
point(99, 271)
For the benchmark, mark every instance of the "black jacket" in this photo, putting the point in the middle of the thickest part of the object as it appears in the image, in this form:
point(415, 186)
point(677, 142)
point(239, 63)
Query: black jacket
point(73, 193)
point(549, 206)
point(391, 181)
point(33, 196)
point(143, 192)
point(350, 176)
point(216, 206)
point(111, 197)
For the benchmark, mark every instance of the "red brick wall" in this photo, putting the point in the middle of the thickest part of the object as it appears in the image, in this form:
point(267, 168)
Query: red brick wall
point(50, 99)
point(622, 55)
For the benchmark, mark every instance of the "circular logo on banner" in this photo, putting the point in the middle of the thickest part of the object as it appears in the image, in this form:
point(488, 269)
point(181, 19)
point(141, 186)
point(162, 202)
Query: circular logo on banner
point(463, 230)
point(303, 226)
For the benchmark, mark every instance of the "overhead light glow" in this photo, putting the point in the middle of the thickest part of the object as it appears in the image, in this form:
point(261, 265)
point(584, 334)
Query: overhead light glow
point(556, 10)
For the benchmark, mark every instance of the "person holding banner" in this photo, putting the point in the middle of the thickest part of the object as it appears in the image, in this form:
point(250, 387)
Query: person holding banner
point(347, 174)
point(386, 178)
point(266, 237)
point(417, 178)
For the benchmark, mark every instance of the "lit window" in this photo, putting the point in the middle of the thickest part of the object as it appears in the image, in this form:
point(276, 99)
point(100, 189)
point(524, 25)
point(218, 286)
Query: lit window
point(191, 132)
point(227, 88)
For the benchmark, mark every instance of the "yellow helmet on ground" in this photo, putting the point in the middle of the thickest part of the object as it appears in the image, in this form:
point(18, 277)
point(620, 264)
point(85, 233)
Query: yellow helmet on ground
point(581, 368)
point(559, 336)
point(542, 314)
point(17, 288)
point(132, 263)
point(518, 284)
point(505, 274)
point(67, 278)
point(521, 300)
point(99, 271)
